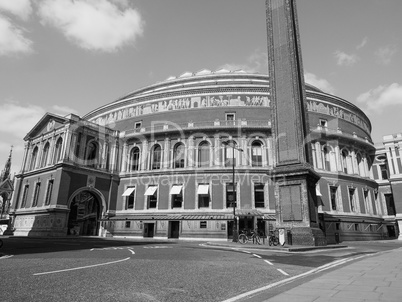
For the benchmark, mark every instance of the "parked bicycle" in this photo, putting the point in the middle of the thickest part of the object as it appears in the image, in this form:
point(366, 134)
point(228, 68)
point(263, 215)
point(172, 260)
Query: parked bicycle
point(244, 237)
point(273, 238)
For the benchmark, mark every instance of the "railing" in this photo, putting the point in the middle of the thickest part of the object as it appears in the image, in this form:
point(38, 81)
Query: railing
point(340, 133)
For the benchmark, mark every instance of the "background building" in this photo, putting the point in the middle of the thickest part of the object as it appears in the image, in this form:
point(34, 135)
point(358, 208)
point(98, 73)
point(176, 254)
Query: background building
point(153, 164)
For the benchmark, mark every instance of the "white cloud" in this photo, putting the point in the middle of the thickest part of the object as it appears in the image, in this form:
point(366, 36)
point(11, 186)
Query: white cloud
point(378, 98)
point(17, 120)
point(384, 54)
point(63, 110)
point(363, 43)
point(257, 62)
point(322, 84)
point(93, 24)
point(344, 59)
point(12, 40)
point(19, 8)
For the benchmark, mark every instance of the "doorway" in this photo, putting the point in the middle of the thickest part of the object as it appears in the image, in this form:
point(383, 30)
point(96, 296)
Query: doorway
point(149, 229)
point(174, 229)
point(83, 219)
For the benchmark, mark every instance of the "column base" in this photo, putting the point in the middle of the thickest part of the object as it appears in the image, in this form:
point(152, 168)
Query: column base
point(308, 236)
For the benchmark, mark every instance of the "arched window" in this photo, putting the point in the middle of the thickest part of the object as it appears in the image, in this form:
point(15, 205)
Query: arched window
point(45, 155)
point(345, 160)
point(360, 164)
point(33, 158)
point(134, 159)
point(91, 154)
point(156, 158)
point(178, 156)
point(256, 154)
point(203, 154)
point(57, 151)
point(326, 162)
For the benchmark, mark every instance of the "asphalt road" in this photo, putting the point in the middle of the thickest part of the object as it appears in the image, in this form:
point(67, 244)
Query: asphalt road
point(96, 269)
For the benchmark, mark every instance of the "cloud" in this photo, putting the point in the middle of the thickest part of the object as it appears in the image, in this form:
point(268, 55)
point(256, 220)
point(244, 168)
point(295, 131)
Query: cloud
point(384, 54)
point(257, 62)
point(17, 120)
point(322, 84)
point(63, 110)
point(344, 59)
point(19, 8)
point(12, 40)
point(363, 43)
point(93, 24)
point(378, 98)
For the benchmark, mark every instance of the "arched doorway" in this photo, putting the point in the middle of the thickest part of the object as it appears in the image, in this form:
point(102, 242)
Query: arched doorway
point(84, 215)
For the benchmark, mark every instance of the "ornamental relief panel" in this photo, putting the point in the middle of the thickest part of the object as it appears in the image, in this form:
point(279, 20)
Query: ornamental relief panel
point(337, 112)
point(182, 104)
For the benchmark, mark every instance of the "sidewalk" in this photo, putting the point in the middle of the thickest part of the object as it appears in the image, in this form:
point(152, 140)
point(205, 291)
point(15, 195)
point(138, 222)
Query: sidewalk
point(375, 278)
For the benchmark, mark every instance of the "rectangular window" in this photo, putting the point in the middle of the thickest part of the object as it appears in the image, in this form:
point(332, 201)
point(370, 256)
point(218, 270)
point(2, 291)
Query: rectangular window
point(356, 226)
point(230, 116)
point(36, 194)
point(389, 200)
point(366, 201)
point(24, 196)
point(203, 224)
point(177, 197)
point(230, 195)
point(384, 171)
point(259, 196)
point(337, 226)
point(323, 123)
point(49, 192)
point(334, 197)
point(151, 192)
point(128, 224)
point(203, 196)
point(352, 199)
point(129, 194)
point(137, 125)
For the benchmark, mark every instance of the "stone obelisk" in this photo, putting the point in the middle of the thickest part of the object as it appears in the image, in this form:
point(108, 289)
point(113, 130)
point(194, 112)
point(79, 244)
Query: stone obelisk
point(293, 176)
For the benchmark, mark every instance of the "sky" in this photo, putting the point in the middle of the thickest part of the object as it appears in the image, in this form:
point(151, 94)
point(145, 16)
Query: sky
point(72, 56)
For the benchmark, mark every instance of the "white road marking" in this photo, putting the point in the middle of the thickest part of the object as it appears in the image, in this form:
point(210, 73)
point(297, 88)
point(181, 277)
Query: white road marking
point(132, 252)
point(258, 256)
point(283, 272)
point(82, 267)
point(268, 262)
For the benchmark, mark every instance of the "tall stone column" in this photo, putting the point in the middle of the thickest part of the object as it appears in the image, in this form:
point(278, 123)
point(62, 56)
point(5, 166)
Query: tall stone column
point(293, 176)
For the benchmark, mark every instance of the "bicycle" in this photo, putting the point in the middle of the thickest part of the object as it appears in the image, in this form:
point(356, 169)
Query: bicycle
point(244, 238)
point(273, 238)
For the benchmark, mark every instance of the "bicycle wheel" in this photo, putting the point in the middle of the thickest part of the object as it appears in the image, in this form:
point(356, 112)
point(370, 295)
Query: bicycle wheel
point(257, 239)
point(275, 241)
point(243, 239)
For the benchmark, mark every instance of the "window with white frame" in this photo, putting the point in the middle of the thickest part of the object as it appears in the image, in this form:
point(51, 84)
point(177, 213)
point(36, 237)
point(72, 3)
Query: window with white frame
point(203, 154)
point(33, 158)
point(231, 195)
point(333, 191)
point(45, 155)
point(323, 123)
point(204, 197)
point(36, 195)
point(178, 156)
point(176, 196)
point(135, 159)
point(49, 191)
point(352, 199)
point(24, 196)
point(259, 201)
point(156, 157)
point(129, 196)
point(152, 197)
point(256, 154)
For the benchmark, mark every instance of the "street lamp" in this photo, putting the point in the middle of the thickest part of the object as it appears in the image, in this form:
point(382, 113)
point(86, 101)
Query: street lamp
point(231, 144)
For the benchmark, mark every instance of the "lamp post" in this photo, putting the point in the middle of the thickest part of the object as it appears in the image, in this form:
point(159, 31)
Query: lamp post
point(231, 144)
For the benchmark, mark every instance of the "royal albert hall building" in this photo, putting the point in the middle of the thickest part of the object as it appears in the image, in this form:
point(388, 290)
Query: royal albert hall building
point(159, 162)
